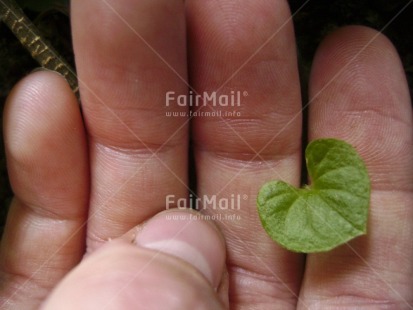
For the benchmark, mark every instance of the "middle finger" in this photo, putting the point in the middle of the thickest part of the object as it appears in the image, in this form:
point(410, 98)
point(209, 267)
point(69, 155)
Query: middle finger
point(247, 46)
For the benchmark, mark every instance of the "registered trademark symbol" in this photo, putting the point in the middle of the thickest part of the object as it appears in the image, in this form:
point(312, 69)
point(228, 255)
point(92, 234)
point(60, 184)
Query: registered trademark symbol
point(245, 93)
point(245, 197)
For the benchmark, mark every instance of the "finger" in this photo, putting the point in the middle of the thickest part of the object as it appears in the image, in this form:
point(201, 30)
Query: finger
point(359, 94)
point(166, 265)
point(47, 163)
point(131, 55)
point(247, 47)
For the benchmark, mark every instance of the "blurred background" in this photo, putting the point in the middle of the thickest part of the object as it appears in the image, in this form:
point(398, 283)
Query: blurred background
point(313, 20)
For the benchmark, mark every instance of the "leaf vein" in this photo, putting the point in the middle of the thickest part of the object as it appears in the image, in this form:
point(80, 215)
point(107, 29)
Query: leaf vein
point(338, 212)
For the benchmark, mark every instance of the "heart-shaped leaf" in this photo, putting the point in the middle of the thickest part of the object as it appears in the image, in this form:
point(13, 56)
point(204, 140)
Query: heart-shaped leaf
point(330, 212)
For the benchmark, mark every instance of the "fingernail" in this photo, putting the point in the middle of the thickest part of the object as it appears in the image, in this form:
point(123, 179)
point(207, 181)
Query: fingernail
point(186, 235)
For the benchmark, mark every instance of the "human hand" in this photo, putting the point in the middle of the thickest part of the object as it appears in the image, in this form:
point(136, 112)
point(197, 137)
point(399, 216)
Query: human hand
point(114, 168)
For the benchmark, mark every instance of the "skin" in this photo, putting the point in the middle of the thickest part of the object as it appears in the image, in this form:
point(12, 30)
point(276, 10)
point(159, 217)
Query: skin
point(113, 167)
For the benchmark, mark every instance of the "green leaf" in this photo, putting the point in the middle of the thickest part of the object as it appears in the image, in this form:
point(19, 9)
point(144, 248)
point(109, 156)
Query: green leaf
point(330, 212)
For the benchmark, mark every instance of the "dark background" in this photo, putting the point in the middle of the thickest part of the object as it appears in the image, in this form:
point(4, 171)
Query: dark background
point(313, 20)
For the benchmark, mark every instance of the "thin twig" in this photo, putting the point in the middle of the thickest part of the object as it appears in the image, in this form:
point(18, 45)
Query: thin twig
point(29, 36)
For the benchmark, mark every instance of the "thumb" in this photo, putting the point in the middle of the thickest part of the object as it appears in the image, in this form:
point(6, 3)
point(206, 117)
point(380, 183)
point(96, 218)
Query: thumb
point(175, 261)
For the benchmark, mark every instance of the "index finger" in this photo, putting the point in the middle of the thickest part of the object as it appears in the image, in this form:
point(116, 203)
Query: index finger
point(359, 94)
